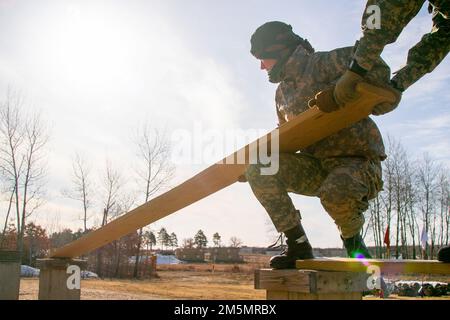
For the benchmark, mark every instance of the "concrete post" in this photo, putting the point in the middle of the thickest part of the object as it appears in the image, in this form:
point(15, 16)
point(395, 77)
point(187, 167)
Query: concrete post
point(60, 279)
point(9, 275)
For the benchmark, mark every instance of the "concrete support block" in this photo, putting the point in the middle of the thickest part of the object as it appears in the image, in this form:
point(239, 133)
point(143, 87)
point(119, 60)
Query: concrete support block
point(60, 279)
point(9, 275)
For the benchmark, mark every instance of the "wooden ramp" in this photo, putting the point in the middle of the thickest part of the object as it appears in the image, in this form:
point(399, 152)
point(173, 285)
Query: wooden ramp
point(297, 134)
point(428, 267)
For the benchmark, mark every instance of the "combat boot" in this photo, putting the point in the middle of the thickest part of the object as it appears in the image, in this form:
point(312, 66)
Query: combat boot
point(356, 248)
point(298, 248)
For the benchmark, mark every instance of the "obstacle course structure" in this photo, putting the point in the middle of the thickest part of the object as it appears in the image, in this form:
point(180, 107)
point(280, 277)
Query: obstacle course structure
point(295, 135)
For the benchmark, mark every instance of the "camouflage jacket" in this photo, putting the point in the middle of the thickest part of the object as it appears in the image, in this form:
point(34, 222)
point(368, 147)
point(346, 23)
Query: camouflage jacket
point(305, 75)
point(395, 15)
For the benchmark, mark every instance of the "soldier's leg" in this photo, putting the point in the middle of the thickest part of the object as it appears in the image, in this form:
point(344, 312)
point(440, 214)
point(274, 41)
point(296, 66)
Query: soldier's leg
point(426, 55)
point(299, 173)
point(345, 193)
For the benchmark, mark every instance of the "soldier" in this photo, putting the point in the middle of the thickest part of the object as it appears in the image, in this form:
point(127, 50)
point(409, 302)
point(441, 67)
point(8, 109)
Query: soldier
point(343, 170)
point(423, 58)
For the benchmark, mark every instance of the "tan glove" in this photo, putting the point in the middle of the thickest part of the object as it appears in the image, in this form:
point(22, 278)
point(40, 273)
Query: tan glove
point(324, 100)
point(345, 90)
point(386, 107)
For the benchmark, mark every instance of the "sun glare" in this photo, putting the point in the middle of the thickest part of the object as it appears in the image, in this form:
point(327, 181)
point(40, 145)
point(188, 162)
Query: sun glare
point(88, 47)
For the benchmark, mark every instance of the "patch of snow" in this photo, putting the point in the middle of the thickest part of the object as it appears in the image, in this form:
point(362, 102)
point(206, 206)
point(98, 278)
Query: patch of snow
point(27, 271)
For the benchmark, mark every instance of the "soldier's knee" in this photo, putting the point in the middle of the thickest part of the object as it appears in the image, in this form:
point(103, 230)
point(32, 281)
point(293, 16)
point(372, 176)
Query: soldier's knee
point(254, 170)
point(340, 188)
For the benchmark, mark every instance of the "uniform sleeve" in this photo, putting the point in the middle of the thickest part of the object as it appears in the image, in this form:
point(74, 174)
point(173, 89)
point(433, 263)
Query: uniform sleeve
point(426, 55)
point(278, 102)
point(395, 15)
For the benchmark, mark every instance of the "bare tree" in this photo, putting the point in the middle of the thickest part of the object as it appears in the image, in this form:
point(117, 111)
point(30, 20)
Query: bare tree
point(23, 138)
point(81, 185)
point(154, 170)
point(410, 206)
point(414, 191)
point(111, 185)
point(235, 242)
point(444, 207)
point(188, 243)
point(8, 212)
point(427, 185)
point(124, 204)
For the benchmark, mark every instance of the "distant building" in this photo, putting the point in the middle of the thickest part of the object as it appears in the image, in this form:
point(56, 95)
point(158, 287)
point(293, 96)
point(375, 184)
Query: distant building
point(190, 254)
point(220, 254)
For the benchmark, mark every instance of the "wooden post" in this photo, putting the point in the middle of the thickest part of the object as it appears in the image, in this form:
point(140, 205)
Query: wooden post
point(311, 285)
point(9, 275)
point(60, 279)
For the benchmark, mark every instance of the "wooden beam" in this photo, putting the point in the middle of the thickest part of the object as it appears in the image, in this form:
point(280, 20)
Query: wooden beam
point(386, 266)
point(286, 295)
point(285, 280)
point(310, 281)
point(306, 129)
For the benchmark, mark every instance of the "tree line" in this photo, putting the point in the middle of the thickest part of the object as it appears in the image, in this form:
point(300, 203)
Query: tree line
point(112, 260)
point(411, 216)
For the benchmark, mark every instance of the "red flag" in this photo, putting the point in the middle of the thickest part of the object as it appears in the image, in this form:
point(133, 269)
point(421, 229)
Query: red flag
point(387, 241)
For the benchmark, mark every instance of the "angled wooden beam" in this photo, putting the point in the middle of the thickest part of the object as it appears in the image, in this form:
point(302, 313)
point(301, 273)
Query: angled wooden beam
point(428, 267)
point(297, 134)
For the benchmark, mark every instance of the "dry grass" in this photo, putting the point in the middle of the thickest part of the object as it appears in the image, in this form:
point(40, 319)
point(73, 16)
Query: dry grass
point(169, 285)
point(186, 285)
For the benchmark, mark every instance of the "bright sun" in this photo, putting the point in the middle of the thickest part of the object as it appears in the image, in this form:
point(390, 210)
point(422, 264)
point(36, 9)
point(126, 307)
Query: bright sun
point(88, 47)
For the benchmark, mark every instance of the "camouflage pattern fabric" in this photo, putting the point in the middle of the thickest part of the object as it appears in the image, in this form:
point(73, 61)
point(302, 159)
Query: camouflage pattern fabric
point(425, 56)
point(344, 186)
point(343, 170)
point(306, 74)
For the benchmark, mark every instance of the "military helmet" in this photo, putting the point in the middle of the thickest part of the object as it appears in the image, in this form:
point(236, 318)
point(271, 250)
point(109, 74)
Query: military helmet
point(276, 40)
point(275, 33)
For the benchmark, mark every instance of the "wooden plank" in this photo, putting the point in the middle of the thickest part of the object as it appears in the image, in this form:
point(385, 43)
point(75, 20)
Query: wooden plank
point(277, 295)
point(306, 129)
point(285, 280)
point(386, 266)
point(286, 295)
point(310, 281)
point(328, 282)
point(325, 296)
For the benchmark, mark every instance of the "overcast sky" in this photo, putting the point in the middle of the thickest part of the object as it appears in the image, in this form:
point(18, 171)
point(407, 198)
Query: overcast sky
point(99, 69)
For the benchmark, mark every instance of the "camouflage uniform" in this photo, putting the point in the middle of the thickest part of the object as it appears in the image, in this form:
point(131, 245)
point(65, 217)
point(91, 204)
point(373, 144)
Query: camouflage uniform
point(395, 15)
point(343, 170)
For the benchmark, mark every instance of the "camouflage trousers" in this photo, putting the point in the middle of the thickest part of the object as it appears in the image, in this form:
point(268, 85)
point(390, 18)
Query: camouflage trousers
point(344, 186)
